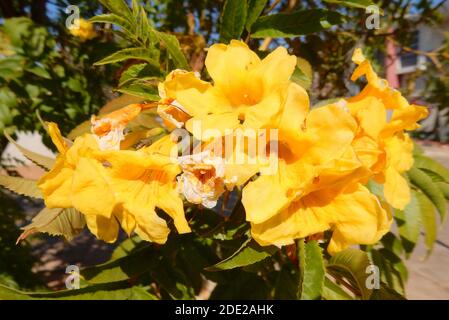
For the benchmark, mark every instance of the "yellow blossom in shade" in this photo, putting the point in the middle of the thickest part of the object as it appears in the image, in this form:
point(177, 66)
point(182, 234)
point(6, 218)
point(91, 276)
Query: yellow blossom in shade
point(83, 29)
point(383, 115)
point(144, 180)
point(246, 92)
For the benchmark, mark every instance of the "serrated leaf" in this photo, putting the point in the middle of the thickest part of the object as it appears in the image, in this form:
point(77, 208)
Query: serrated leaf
point(42, 161)
point(142, 90)
point(129, 53)
point(426, 185)
point(425, 163)
point(56, 222)
point(352, 264)
point(118, 7)
point(352, 3)
point(107, 291)
point(113, 19)
point(311, 270)
point(255, 9)
point(139, 72)
point(286, 25)
point(332, 291)
point(233, 20)
point(428, 220)
point(250, 252)
point(409, 223)
point(22, 186)
point(174, 49)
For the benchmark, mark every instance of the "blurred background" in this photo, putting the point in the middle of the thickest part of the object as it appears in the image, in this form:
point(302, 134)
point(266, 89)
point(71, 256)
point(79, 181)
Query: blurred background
point(46, 71)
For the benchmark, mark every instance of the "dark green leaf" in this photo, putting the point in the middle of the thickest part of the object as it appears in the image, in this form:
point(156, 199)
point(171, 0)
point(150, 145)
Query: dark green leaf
point(255, 9)
point(233, 20)
point(250, 252)
point(332, 291)
point(285, 25)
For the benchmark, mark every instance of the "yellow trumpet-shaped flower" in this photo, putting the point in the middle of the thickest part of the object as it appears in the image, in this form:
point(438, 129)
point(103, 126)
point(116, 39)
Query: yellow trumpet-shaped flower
point(78, 180)
point(380, 143)
point(316, 187)
point(144, 180)
point(246, 92)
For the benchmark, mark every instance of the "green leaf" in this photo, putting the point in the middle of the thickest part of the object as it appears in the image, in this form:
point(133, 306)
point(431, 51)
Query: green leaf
point(286, 287)
point(139, 72)
point(129, 266)
point(285, 25)
point(429, 221)
point(250, 252)
point(38, 159)
point(107, 291)
point(113, 19)
point(352, 3)
point(409, 223)
point(352, 264)
point(142, 90)
point(39, 71)
point(118, 7)
point(302, 74)
point(425, 183)
point(173, 48)
point(332, 291)
point(56, 222)
point(428, 164)
point(130, 53)
point(233, 20)
point(444, 187)
point(25, 187)
point(311, 270)
point(82, 128)
point(255, 9)
point(386, 293)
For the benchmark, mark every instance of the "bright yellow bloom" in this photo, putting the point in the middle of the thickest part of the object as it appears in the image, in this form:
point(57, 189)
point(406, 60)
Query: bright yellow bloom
point(113, 188)
point(144, 180)
point(83, 29)
point(77, 180)
point(380, 143)
point(247, 92)
point(316, 186)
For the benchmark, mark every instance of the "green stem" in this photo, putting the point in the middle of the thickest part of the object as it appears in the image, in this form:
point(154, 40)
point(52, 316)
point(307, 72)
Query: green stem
point(300, 245)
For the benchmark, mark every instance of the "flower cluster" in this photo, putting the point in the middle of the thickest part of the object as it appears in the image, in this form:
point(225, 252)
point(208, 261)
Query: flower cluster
point(325, 156)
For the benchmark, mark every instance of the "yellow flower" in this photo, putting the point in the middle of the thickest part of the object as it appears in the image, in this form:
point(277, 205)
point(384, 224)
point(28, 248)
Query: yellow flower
point(77, 181)
point(316, 187)
point(354, 215)
point(83, 29)
point(116, 187)
point(381, 144)
point(247, 92)
point(144, 180)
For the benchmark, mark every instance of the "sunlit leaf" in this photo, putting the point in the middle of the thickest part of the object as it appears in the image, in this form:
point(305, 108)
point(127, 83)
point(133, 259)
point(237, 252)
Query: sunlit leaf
point(23, 186)
point(40, 160)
